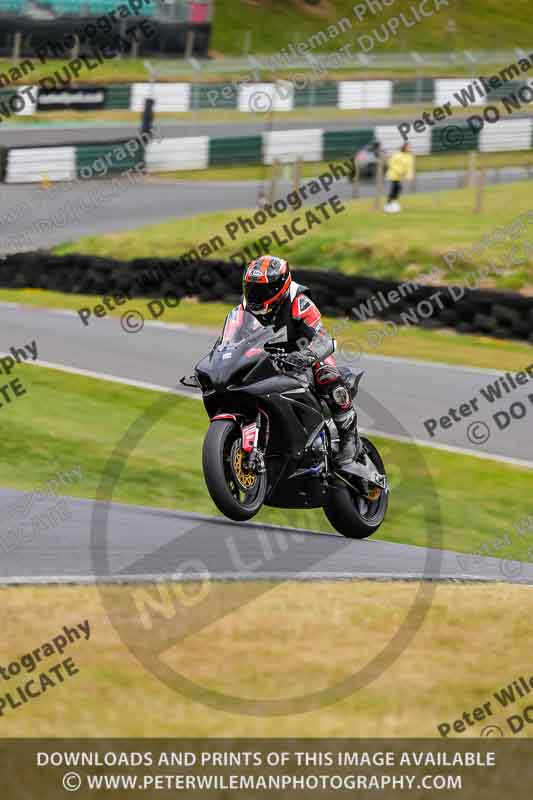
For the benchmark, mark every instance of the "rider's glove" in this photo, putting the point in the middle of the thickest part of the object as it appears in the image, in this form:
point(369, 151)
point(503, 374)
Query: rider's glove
point(303, 359)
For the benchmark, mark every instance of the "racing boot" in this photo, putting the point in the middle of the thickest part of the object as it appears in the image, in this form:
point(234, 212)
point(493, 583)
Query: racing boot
point(349, 441)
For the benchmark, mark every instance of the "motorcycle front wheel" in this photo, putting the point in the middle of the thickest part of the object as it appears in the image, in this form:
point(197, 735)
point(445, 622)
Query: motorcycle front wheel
point(237, 492)
point(352, 514)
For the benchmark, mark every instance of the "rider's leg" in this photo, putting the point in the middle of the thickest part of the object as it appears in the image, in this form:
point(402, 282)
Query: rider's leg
point(330, 384)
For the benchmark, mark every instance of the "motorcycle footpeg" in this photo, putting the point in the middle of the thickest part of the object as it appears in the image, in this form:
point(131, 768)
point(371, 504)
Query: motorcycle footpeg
point(356, 469)
point(381, 481)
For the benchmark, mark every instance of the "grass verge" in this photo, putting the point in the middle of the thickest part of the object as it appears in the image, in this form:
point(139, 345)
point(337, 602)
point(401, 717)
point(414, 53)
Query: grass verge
point(63, 416)
point(132, 70)
point(275, 24)
point(370, 338)
point(360, 240)
point(472, 643)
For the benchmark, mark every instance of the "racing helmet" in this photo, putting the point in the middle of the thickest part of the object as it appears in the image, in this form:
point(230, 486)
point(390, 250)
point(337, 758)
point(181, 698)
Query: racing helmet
point(265, 286)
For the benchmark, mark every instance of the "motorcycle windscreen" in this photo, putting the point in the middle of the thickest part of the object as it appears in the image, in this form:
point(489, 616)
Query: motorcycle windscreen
point(240, 325)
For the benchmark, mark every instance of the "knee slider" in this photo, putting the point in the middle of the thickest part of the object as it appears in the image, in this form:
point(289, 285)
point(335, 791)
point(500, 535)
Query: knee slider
point(341, 396)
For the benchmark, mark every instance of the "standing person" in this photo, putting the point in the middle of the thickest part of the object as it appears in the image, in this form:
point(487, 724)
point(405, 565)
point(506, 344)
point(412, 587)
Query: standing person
point(401, 166)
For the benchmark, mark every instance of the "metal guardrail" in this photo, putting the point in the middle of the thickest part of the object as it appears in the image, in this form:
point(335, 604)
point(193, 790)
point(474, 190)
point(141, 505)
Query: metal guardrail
point(360, 61)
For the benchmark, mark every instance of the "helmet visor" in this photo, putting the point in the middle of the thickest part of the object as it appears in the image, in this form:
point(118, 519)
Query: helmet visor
point(257, 294)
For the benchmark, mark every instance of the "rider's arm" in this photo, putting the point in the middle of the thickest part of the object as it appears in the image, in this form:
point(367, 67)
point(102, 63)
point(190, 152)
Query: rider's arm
point(319, 343)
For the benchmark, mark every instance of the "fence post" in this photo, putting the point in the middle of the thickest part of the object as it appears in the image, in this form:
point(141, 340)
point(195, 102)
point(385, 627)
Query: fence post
point(472, 167)
point(379, 184)
point(297, 174)
point(355, 182)
point(480, 190)
point(75, 52)
point(274, 181)
point(122, 35)
point(17, 43)
point(189, 44)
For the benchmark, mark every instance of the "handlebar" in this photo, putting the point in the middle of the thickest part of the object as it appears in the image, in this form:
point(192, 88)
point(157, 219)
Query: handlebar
point(281, 359)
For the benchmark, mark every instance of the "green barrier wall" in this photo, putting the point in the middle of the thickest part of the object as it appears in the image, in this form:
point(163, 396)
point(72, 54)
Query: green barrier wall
point(118, 158)
point(241, 150)
point(118, 97)
point(339, 144)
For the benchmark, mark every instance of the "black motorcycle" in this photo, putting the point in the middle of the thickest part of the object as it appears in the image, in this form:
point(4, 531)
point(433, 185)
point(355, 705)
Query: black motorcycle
point(272, 441)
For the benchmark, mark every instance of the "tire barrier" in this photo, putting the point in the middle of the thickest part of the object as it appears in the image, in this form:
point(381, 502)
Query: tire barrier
point(202, 152)
point(503, 315)
point(29, 164)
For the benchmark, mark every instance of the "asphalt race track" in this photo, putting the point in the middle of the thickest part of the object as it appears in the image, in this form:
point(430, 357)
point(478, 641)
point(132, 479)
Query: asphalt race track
point(154, 200)
point(143, 544)
point(408, 392)
point(254, 124)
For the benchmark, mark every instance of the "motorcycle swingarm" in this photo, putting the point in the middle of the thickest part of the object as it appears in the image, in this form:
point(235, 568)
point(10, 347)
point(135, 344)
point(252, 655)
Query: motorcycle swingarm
point(367, 472)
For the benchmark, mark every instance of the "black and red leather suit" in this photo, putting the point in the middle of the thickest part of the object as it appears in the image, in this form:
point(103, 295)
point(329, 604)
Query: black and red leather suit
point(306, 334)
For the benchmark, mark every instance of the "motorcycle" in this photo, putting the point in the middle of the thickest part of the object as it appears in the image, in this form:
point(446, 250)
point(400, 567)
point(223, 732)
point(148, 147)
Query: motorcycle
point(271, 440)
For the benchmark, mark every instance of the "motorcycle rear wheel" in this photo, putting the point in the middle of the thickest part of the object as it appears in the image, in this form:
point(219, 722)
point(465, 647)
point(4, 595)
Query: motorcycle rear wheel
point(352, 515)
point(237, 493)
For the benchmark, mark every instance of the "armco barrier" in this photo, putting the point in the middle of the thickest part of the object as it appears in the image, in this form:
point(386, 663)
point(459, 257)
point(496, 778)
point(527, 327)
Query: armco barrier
point(348, 95)
point(498, 314)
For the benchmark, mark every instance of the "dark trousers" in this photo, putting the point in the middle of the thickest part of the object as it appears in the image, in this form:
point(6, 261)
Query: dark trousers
point(394, 191)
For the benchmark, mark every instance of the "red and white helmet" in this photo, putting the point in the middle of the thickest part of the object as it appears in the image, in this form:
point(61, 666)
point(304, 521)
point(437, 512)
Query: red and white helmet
point(266, 284)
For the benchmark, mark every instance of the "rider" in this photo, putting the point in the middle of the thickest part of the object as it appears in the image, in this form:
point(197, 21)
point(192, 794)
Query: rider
point(270, 294)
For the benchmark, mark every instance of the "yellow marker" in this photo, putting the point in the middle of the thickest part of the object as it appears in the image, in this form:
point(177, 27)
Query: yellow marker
point(46, 182)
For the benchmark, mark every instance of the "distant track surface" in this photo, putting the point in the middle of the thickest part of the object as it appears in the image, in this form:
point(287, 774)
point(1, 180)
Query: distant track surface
point(410, 391)
point(70, 133)
point(156, 200)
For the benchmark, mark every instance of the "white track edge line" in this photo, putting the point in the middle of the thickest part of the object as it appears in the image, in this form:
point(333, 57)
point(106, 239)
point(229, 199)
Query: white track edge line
point(271, 576)
point(516, 462)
